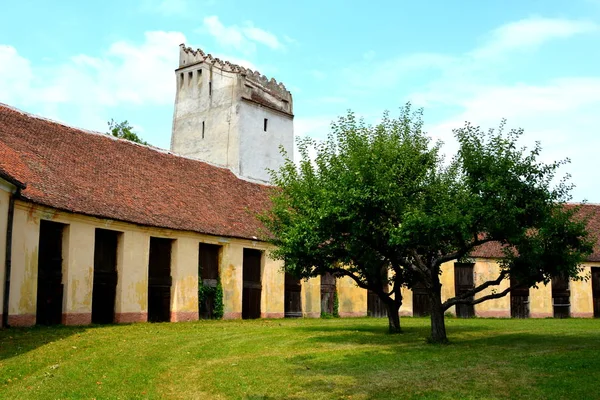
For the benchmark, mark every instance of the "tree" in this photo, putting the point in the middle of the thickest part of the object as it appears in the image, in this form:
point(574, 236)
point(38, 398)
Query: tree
point(380, 205)
point(123, 130)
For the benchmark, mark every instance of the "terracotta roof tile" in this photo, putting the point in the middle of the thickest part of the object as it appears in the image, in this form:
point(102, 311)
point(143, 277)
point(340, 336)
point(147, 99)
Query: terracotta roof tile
point(95, 174)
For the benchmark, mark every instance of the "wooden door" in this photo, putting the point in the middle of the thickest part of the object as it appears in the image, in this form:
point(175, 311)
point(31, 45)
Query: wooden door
point(375, 307)
point(421, 302)
point(50, 287)
point(328, 289)
point(159, 280)
point(596, 290)
point(208, 270)
point(561, 297)
point(105, 276)
point(292, 297)
point(519, 301)
point(463, 281)
point(252, 289)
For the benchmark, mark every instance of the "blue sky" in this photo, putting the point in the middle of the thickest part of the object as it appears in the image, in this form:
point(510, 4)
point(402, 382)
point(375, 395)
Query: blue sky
point(534, 62)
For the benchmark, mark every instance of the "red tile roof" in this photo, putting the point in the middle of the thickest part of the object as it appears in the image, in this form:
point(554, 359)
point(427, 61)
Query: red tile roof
point(98, 175)
point(591, 211)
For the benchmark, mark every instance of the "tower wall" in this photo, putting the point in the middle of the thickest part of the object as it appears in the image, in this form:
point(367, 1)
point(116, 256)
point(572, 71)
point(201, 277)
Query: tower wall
point(230, 116)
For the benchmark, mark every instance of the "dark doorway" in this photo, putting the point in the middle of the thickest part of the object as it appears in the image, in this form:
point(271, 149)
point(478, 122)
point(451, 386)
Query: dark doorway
point(50, 287)
point(292, 297)
point(519, 301)
point(105, 276)
point(596, 290)
point(208, 271)
point(561, 297)
point(252, 284)
point(328, 289)
point(159, 280)
point(375, 307)
point(421, 303)
point(463, 281)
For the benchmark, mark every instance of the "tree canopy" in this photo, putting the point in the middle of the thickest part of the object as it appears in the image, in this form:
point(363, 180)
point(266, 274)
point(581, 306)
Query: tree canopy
point(379, 204)
point(125, 131)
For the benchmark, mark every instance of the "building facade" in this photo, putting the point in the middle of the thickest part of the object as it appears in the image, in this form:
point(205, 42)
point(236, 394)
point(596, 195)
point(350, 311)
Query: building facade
point(123, 232)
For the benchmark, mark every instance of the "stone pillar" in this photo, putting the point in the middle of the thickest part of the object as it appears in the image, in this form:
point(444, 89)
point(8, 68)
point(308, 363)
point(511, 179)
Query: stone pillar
point(311, 297)
point(24, 271)
point(352, 299)
point(230, 271)
point(273, 288)
point(406, 309)
point(78, 273)
point(540, 301)
point(131, 303)
point(184, 272)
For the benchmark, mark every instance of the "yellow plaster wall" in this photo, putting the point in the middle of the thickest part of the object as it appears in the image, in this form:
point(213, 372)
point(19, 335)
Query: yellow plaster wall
point(24, 271)
point(311, 297)
point(406, 309)
point(352, 299)
point(184, 272)
point(540, 301)
point(132, 269)
point(581, 295)
point(485, 270)
point(78, 267)
point(4, 202)
point(447, 281)
point(232, 255)
point(273, 288)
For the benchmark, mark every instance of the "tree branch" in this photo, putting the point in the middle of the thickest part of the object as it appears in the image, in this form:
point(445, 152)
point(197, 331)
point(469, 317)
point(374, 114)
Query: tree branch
point(460, 253)
point(463, 297)
point(455, 301)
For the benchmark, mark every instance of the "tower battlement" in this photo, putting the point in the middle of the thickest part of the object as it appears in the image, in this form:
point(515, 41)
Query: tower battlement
point(277, 95)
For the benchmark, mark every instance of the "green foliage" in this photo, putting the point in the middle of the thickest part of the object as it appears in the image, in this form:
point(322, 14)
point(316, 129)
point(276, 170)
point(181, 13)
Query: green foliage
point(336, 305)
point(216, 292)
point(382, 198)
point(123, 130)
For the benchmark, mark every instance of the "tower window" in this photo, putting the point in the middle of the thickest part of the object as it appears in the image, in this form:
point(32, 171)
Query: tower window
point(202, 129)
point(199, 72)
point(190, 76)
point(265, 124)
point(181, 79)
point(210, 88)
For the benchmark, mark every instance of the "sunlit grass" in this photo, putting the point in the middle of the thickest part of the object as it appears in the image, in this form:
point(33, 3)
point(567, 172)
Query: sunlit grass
point(303, 359)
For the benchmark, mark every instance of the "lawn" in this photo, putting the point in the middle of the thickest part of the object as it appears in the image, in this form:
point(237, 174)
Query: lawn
point(303, 359)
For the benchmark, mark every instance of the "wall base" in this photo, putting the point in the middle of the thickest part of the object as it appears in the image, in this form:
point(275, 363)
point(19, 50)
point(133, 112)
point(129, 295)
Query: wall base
point(21, 320)
point(272, 315)
point(77, 318)
point(493, 314)
point(232, 315)
point(540, 315)
point(353, 314)
point(405, 313)
point(181, 316)
point(311, 315)
point(582, 314)
point(131, 317)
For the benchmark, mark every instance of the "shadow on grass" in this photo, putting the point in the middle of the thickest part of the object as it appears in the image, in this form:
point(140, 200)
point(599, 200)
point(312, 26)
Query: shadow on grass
point(17, 341)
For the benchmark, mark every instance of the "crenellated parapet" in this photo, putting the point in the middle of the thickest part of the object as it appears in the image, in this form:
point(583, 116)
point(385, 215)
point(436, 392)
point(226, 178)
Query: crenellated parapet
point(274, 92)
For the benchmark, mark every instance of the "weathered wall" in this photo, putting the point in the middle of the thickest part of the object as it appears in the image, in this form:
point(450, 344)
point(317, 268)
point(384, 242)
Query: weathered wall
point(485, 270)
point(259, 150)
point(5, 194)
point(218, 111)
point(131, 302)
point(352, 299)
point(311, 297)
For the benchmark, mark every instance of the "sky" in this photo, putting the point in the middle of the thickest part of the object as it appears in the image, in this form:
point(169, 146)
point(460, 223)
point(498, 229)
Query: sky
point(533, 62)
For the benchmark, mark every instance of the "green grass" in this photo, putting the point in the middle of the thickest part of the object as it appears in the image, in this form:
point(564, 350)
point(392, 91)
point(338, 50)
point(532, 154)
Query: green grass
point(304, 359)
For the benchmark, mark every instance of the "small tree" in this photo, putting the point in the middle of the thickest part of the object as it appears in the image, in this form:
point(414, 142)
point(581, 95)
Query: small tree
point(382, 199)
point(123, 130)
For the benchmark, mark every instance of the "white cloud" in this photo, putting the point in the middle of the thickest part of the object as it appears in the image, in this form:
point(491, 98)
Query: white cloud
point(530, 33)
point(262, 36)
point(126, 73)
point(243, 39)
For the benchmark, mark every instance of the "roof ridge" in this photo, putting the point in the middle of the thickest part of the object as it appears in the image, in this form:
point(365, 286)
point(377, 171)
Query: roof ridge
point(111, 137)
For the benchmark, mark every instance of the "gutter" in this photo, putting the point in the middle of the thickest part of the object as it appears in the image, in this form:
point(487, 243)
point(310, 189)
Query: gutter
point(9, 230)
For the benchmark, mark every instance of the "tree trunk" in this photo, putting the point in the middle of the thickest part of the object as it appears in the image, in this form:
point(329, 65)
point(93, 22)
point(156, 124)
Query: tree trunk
point(438, 325)
point(393, 318)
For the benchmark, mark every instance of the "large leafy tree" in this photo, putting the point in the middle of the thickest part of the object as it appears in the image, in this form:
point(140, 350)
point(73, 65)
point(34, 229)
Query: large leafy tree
point(380, 205)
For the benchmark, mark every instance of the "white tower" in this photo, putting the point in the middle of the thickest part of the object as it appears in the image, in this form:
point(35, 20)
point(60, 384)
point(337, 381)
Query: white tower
point(228, 115)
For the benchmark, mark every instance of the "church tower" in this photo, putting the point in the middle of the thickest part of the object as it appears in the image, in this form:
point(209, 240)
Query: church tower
point(231, 116)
